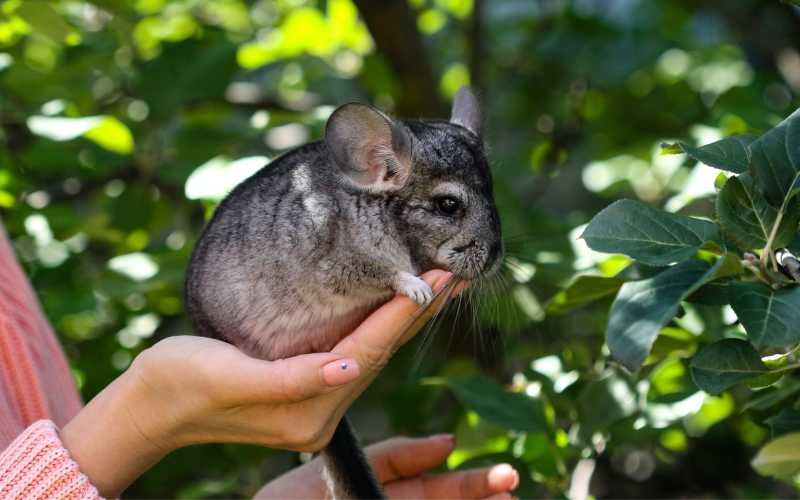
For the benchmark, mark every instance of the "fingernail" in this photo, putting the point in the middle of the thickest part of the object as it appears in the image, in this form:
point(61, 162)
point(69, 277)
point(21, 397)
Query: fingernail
point(442, 282)
point(340, 372)
point(449, 438)
point(499, 475)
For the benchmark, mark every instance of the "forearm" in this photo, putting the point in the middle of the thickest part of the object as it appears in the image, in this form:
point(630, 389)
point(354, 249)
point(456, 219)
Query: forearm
point(113, 438)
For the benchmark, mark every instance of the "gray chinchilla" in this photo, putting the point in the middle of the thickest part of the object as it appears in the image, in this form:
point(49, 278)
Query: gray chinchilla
point(300, 253)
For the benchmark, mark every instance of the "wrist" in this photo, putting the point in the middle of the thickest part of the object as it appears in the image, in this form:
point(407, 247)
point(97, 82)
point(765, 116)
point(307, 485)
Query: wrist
point(120, 434)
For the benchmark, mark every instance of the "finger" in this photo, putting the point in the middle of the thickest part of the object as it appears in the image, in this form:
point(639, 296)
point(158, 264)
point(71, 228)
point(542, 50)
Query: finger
point(288, 380)
point(382, 333)
point(471, 484)
point(398, 458)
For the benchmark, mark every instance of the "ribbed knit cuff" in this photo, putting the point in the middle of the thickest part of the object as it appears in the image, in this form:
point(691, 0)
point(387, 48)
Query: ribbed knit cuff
point(37, 466)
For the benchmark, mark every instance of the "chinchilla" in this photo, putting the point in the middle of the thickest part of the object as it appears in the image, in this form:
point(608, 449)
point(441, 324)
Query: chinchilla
point(296, 256)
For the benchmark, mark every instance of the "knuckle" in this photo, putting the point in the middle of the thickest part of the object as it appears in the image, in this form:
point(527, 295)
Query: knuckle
point(374, 358)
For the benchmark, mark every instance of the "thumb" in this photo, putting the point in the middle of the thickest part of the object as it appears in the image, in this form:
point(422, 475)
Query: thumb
point(399, 458)
point(290, 380)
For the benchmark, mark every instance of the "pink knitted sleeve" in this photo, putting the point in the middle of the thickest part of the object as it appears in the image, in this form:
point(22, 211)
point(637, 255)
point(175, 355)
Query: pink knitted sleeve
point(37, 466)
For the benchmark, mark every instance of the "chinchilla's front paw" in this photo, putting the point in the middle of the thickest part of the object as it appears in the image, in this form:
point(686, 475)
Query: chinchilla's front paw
point(414, 287)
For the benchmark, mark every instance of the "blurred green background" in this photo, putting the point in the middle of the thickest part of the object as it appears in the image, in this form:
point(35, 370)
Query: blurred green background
point(124, 122)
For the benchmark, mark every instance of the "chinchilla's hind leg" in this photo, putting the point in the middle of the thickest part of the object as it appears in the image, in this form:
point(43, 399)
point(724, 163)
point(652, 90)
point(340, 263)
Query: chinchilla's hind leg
point(347, 470)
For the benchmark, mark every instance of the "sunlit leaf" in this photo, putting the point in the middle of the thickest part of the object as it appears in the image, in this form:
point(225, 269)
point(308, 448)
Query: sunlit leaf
point(215, 178)
point(44, 19)
point(107, 131)
point(766, 380)
point(780, 458)
point(728, 154)
point(112, 135)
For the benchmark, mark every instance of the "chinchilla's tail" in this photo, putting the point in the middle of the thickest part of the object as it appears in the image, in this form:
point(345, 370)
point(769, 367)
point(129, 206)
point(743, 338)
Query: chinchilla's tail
point(347, 470)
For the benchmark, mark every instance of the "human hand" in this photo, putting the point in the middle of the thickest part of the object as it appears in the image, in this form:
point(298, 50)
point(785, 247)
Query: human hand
point(400, 464)
point(189, 390)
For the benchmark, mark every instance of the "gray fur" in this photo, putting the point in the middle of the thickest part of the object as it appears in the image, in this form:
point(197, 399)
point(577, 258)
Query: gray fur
point(296, 256)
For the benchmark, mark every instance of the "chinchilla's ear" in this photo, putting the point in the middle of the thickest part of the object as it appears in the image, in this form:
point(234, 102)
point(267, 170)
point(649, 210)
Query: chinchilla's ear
point(466, 111)
point(371, 150)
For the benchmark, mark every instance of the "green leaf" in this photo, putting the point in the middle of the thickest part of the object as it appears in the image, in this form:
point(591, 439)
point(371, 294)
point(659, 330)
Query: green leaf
point(770, 317)
point(780, 458)
point(670, 149)
point(792, 2)
point(603, 402)
point(643, 308)
point(649, 235)
point(186, 71)
point(775, 161)
point(747, 218)
point(766, 380)
point(711, 294)
point(725, 363)
point(583, 290)
point(784, 422)
point(44, 19)
point(510, 410)
point(728, 154)
point(773, 397)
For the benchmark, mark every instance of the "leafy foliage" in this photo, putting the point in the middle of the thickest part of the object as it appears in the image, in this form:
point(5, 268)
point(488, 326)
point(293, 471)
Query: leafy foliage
point(757, 210)
point(124, 123)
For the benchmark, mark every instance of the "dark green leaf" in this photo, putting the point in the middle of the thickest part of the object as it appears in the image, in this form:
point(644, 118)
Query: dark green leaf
point(780, 458)
point(770, 317)
point(643, 308)
point(583, 290)
point(766, 380)
point(784, 422)
point(773, 397)
point(725, 363)
point(187, 71)
point(775, 161)
point(649, 235)
point(747, 218)
point(728, 154)
point(511, 410)
point(711, 294)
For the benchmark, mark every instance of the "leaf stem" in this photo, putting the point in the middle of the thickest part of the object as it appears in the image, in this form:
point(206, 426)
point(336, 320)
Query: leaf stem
point(786, 368)
point(757, 268)
point(768, 248)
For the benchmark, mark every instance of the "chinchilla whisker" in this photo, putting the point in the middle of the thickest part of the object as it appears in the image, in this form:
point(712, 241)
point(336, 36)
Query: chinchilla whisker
point(455, 319)
point(517, 237)
point(446, 289)
point(430, 332)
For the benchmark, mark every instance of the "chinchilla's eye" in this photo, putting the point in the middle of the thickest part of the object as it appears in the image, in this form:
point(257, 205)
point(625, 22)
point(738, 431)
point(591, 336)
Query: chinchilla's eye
point(448, 206)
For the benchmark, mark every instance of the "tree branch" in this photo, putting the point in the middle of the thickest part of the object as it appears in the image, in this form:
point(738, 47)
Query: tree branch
point(393, 25)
